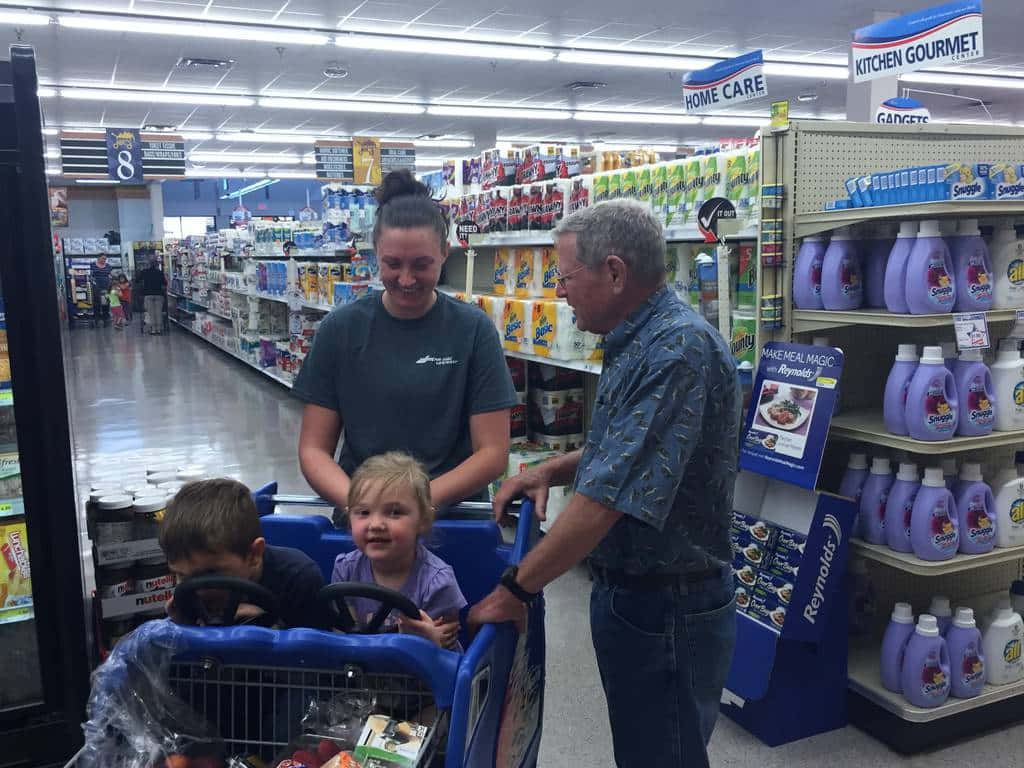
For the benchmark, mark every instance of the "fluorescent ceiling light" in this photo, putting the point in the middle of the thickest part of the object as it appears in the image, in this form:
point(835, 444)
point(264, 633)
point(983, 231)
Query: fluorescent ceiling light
point(948, 78)
point(651, 60)
point(753, 122)
point(161, 97)
point(510, 112)
point(292, 174)
point(50, 131)
point(254, 137)
point(816, 71)
point(309, 158)
point(223, 173)
point(51, 171)
point(626, 145)
point(634, 117)
point(238, 193)
point(429, 160)
point(24, 18)
point(395, 108)
point(46, 93)
point(96, 181)
point(195, 136)
point(243, 157)
point(449, 143)
point(394, 43)
point(174, 26)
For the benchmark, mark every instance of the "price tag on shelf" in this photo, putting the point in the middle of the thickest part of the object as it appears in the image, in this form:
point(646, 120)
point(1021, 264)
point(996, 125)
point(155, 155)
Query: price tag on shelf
point(971, 330)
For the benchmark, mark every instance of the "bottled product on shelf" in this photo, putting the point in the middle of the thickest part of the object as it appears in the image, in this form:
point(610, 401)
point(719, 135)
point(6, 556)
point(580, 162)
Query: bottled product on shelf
point(934, 534)
point(1007, 268)
point(939, 608)
point(1002, 645)
point(950, 471)
point(1002, 603)
point(876, 256)
point(966, 656)
point(1008, 489)
point(842, 282)
point(949, 354)
point(972, 269)
point(975, 395)
point(925, 674)
point(931, 411)
point(854, 477)
point(873, 497)
point(1008, 384)
point(976, 511)
point(898, 508)
point(894, 646)
point(895, 290)
point(894, 405)
point(929, 285)
point(807, 273)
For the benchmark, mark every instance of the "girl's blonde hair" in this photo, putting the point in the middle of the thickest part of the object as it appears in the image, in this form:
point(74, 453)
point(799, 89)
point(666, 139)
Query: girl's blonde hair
point(394, 469)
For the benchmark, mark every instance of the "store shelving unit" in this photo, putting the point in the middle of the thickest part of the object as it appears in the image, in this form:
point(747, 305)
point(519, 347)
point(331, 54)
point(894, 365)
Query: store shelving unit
point(816, 159)
point(586, 366)
point(543, 238)
point(265, 371)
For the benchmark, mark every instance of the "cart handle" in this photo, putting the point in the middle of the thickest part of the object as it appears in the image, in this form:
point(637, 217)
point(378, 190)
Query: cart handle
point(188, 601)
point(341, 617)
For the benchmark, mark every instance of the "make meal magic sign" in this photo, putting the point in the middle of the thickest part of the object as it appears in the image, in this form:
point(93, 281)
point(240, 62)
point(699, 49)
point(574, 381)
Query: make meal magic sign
point(728, 82)
point(946, 34)
point(790, 410)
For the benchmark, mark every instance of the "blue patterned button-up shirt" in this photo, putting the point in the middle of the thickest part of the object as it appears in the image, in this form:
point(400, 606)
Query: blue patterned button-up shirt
point(663, 441)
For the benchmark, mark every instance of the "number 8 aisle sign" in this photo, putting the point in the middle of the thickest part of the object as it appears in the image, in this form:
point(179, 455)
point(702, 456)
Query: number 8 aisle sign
point(124, 155)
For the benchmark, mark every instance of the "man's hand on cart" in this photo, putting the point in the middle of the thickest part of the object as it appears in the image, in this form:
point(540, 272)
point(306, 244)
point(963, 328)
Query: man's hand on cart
point(533, 484)
point(442, 631)
point(498, 607)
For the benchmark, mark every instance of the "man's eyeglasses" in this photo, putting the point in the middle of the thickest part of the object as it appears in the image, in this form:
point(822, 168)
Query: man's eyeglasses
point(563, 279)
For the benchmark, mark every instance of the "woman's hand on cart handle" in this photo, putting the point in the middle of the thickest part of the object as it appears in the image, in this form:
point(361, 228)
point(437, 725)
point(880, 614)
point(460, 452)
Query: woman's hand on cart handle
point(533, 484)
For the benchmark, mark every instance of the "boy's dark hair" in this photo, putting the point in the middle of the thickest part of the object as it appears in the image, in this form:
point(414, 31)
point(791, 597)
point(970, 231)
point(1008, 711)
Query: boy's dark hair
point(211, 516)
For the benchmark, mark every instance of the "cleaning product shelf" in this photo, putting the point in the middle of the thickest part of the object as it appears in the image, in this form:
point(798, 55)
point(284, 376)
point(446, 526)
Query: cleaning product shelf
point(865, 679)
point(869, 427)
point(543, 238)
point(822, 221)
point(576, 365)
point(265, 371)
point(284, 300)
point(911, 564)
point(805, 320)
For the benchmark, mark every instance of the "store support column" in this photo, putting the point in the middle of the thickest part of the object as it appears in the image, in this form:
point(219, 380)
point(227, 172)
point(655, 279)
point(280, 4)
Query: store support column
point(862, 99)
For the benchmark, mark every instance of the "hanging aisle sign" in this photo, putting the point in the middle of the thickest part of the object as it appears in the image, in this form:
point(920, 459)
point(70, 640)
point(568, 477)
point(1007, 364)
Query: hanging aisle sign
point(728, 82)
point(902, 111)
point(124, 155)
point(91, 154)
point(947, 34)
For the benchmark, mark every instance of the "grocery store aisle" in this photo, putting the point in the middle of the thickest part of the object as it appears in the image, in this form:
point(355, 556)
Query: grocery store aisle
point(176, 399)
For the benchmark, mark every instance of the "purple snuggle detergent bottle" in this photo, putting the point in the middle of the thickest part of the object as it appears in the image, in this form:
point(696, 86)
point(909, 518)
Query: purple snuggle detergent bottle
point(894, 406)
point(872, 501)
point(931, 399)
point(842, 283)
point(854, 476)
point(975, 511)
point(972, 269)
point(934, 534)
point(807, 273)
point(975, 395)
point(939, 608)
point(966, 659)
point(876, 258)
point(925, 675)
point(894, 645)
point(929, 286)
point(899, 506)
point(895, 289)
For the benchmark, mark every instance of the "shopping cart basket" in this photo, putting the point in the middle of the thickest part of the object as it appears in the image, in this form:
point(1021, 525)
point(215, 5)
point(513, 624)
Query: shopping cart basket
point(253, 685)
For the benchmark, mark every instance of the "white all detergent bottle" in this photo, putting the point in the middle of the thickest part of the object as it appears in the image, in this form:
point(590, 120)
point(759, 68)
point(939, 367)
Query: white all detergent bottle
point(895, 290)
point(1008, 383)
point(1007, 268)
point(842, 281)
point(1002, 645)
point(930, 286)
point(1008, 489)
point(972, 269)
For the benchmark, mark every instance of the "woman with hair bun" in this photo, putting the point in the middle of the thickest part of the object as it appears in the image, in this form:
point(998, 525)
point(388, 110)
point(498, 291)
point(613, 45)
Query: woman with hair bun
point(409, 369)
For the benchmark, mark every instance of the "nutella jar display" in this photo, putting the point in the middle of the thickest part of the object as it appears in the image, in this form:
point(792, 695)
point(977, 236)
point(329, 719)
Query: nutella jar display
point(115, 523)
point(115, 580)
point(147, 512)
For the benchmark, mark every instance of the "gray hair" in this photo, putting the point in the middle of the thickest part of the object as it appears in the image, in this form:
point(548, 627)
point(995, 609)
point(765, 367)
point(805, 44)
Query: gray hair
point(623, 228)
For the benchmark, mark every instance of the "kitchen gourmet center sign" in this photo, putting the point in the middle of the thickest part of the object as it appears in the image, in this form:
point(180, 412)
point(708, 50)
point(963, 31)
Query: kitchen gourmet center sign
point(946, 34)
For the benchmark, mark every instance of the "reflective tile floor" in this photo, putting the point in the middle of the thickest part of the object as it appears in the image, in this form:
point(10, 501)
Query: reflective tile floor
point(174, 400)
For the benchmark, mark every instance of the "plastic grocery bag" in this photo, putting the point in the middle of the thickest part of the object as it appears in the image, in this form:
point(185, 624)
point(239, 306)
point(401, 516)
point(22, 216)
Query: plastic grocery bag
point(134, 719)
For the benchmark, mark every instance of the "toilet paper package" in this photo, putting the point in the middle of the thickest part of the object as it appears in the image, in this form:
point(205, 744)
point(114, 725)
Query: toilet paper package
point(713, 171)
point(659, 192)
point(529, 272)
point(694, 192)
point(736, 184)
point(554, 333)
point(675, 195)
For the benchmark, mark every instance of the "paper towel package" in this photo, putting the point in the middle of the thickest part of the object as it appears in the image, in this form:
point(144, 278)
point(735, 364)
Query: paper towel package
point(549, 273)
point(513, 325)
point(554, 333)
point(529, 272)
point(503, 272)
point(526, 342)
point(593, 347)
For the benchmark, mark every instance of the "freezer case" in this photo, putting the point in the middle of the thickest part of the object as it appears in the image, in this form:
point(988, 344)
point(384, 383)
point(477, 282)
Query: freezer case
point(43, 658)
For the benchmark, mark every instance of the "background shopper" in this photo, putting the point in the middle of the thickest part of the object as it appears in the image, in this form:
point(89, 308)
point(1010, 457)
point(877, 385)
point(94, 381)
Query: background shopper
point(409, 369)
point(653, 494)
point(154, 290)
point(99, 276)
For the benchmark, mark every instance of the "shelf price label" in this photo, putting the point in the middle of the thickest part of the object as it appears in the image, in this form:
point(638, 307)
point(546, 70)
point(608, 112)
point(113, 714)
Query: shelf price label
point(971, 330)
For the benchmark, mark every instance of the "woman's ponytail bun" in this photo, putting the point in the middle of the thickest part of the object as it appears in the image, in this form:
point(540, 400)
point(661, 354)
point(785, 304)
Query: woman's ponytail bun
point(397, 184)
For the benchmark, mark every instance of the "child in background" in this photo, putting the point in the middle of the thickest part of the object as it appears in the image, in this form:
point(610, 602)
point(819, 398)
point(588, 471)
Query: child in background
point(389, 510)
point(114, 299)
point(124, 292)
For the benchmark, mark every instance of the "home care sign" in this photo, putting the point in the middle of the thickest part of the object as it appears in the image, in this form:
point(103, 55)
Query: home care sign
point(790, 411)
point(728, 82)
point(946, 34)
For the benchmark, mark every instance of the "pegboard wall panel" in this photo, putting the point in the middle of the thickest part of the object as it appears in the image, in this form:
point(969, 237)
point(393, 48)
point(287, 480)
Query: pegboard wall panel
point(828, 154)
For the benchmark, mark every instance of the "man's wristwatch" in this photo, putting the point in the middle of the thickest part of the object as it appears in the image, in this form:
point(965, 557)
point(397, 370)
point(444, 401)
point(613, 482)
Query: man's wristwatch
point(508, 581)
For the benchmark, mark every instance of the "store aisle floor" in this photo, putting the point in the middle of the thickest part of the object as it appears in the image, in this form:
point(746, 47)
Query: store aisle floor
point(175, 399)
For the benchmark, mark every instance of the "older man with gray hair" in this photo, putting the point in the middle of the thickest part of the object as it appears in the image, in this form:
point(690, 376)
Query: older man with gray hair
point(653, 494)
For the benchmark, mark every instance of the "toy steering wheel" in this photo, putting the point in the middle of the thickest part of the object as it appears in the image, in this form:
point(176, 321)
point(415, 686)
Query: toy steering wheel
point(340, 616)
point(193, 609)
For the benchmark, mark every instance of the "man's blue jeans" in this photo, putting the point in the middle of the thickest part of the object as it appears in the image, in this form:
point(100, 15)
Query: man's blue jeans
point(664, 656)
